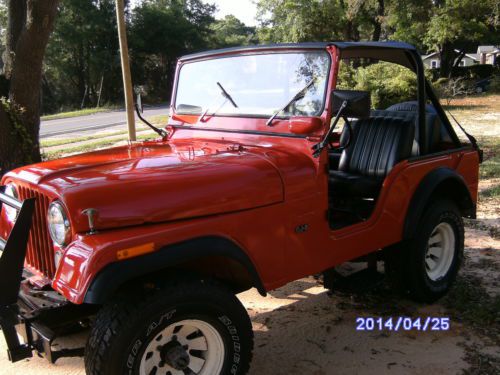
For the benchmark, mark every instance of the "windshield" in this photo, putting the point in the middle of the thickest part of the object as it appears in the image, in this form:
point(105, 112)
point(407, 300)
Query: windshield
point(259, 84)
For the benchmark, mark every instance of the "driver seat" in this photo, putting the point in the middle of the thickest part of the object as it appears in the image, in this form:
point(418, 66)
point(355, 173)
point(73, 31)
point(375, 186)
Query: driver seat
point(378, 144)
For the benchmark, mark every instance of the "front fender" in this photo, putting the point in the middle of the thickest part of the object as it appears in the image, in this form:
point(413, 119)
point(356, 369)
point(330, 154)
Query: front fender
point(98, 288)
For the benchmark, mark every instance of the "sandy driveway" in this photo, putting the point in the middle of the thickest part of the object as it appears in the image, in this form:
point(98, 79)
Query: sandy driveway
point(300, 329)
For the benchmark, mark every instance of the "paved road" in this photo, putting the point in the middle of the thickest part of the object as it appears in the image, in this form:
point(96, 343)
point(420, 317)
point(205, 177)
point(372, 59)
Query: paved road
point(96, 121)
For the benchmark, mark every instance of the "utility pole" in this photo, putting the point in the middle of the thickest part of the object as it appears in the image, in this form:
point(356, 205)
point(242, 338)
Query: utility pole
point(127, 79)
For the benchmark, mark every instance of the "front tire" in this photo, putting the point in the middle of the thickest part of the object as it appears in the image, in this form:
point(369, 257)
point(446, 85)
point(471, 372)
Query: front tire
point(428, 264)
point(196, 328)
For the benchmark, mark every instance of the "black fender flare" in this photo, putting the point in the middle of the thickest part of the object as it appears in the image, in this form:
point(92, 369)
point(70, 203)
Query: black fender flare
point(440, 178)
point(114, 275)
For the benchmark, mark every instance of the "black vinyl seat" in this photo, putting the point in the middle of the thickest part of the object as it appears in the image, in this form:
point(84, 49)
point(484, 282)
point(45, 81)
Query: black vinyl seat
point(378, 144)
point(435, 130)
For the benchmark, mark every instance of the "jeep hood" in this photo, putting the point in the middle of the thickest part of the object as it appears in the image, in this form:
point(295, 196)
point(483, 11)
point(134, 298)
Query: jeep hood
point(156, 182)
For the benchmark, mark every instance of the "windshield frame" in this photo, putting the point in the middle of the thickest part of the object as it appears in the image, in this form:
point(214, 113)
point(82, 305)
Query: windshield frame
point(253, 53)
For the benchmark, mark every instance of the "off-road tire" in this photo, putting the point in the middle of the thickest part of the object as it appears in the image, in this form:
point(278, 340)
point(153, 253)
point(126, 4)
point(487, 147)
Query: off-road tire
point(124, 328)
point(405, 263)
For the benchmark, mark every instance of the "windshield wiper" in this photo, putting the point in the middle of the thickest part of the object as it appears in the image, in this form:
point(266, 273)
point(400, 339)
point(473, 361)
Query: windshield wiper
point(300, 95)
point(226, 95)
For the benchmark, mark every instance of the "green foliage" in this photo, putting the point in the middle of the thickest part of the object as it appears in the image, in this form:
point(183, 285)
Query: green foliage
point(160, 32)
point(82, 50)
point(18, 130)
point(452, 22)
point(491, 165)
point(408, 20)
point(388, 83)
point(443, 26)
point(230, 32)
point(318, 20)
point(3, 29)
point(84, 47)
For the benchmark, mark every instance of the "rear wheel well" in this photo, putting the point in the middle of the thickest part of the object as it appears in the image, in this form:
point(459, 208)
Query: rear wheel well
point(441, 183)
point(456, 191)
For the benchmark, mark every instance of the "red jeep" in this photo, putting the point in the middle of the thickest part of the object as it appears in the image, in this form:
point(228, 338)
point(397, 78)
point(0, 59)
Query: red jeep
point(267, 172)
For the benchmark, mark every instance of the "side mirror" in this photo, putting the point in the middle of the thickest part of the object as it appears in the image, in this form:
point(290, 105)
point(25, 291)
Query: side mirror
point(138, 103)
point(304, 125)
point(358, 103)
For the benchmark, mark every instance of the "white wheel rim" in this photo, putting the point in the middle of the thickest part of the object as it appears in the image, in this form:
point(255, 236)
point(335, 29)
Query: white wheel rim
point(193, 339)
point(440, 251)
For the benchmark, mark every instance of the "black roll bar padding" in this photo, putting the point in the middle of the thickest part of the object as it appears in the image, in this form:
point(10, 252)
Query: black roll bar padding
point(14, 251)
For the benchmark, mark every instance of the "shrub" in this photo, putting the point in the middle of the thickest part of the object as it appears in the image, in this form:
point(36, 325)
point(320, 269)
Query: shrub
point(475, 72)
point(495, 84)
point(449, 88)
point(388, 83)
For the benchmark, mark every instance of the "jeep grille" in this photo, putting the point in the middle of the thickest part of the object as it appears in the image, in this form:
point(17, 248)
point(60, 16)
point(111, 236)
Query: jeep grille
point(40, 252)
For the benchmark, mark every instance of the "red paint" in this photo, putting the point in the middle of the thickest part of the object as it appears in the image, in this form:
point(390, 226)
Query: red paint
point(252, 189)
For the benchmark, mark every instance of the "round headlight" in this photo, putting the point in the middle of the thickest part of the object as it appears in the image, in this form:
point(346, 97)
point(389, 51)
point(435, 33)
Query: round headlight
point(59, 226)
point(11, 212)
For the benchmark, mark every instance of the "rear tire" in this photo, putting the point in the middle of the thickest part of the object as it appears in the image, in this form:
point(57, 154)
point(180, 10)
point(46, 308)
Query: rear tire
point(427, 265)
point(195, 326)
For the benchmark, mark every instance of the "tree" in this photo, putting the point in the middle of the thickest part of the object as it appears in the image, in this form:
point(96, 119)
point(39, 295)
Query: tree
point(30, 23)
point(3, 29)
point(449, 27)
point(230, 32)
point(83, 50)
point(326, 20)
point(456, 25)
point(160, 32)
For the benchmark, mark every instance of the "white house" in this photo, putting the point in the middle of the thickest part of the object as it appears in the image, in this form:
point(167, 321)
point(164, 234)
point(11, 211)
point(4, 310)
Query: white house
point(433, 61)
point(485, 55)
point(488, 54)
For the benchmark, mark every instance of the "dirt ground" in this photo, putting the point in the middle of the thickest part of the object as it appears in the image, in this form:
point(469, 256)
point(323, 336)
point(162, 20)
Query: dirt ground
point(301, 329)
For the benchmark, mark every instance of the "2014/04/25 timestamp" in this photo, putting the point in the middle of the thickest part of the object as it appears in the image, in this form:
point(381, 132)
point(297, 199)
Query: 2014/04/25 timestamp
point(402, 323)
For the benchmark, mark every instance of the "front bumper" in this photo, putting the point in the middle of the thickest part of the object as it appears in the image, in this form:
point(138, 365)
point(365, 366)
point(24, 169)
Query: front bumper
point(27, 315)
point(31, 324)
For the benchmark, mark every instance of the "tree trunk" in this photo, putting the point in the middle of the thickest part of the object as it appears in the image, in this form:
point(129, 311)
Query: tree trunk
point(377, 21)
point(447, 55)
point(20, 116)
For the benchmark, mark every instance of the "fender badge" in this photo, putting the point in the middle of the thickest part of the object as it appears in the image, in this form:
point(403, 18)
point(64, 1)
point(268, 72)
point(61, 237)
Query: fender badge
point(91, 215)
point(302, 228)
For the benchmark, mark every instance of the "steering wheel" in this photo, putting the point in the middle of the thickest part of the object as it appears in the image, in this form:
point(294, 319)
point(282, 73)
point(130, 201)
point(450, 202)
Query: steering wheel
point(349, 139)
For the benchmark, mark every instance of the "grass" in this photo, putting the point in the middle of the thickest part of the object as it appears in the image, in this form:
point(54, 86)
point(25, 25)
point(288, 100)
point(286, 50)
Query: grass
point(158, 120)
point(493, 192)
point(66, 141)
point(83, 112)
point(87, 147)
point(491, 164)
